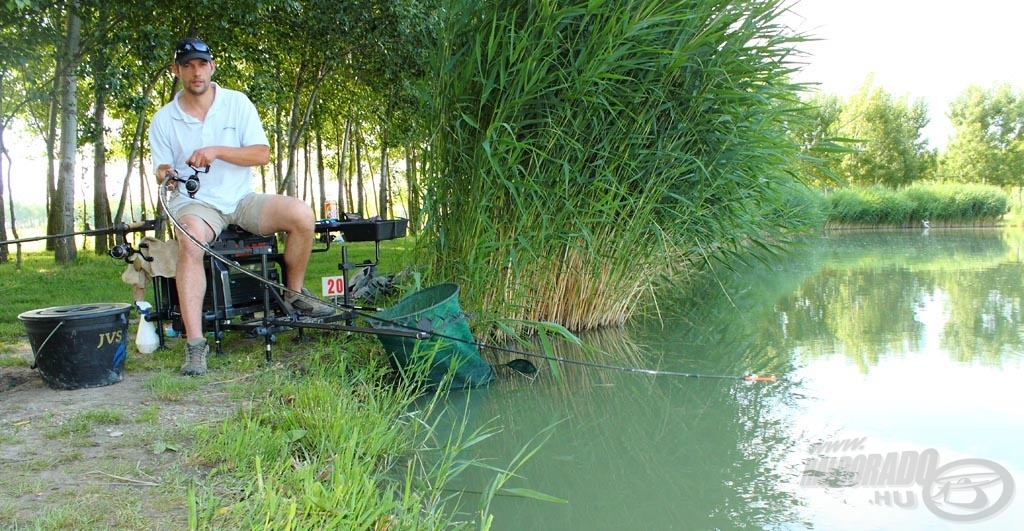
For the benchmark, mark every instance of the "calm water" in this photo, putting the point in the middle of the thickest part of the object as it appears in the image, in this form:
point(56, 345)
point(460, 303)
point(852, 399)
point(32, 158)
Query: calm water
point(904, 349)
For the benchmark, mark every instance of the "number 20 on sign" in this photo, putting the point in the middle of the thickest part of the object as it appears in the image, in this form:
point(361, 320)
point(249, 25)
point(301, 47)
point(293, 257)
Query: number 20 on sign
point(332, 286)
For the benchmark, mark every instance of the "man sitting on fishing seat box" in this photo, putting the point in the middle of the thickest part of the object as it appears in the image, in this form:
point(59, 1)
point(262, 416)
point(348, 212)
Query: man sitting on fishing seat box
point(208, 125)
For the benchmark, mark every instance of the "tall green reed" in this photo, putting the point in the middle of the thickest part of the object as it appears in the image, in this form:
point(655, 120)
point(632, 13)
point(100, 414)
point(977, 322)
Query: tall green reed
point(582, 150)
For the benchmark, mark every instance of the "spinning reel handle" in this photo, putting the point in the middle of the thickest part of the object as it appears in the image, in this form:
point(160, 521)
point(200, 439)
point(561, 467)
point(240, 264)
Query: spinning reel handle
point(192, 182)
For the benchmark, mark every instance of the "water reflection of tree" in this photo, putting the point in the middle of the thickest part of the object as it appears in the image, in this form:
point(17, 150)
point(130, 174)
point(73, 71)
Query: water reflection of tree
point(702, 453)
point(865, 314)
point(984, 313)
point(877, 295)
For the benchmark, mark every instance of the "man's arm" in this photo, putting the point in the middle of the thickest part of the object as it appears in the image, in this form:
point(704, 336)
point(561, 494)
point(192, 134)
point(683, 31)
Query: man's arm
point(255, 155)
point(159, 147)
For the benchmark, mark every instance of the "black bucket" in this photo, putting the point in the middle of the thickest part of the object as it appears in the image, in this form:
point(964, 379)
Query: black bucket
point(79, 346)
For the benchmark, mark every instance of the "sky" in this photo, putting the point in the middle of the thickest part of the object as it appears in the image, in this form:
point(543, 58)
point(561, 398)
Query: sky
point(930, 49)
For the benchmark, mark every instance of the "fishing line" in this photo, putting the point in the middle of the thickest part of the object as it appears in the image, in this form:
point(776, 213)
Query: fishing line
point(509, 350)
point(567, 361)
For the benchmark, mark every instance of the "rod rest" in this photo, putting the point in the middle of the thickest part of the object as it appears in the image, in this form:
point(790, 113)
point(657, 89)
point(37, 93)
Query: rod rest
point(363, 230)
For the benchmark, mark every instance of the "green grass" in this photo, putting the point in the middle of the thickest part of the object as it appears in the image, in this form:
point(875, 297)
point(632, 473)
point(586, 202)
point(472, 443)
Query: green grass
point(103, 416)
point(148, 414)
point(322, 438)
point(14, 361)
point(171, 387)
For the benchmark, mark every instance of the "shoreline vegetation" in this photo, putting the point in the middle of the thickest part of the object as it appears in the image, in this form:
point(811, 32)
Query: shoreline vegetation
point(916, 206)
point(568, 159)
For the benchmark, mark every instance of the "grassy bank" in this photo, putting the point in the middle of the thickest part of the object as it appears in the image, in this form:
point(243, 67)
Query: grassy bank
point(323, 438)
point(918, 205)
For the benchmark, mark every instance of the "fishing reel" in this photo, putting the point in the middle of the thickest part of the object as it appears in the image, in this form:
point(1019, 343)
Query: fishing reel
point(192, 182)
point(122, 251)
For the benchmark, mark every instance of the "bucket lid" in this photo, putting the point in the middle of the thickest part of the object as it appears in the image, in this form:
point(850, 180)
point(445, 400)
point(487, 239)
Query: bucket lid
point(76, 311)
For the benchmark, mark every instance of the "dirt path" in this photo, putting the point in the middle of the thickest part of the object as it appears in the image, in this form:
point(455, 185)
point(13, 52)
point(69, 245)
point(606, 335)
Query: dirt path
point(106, 457)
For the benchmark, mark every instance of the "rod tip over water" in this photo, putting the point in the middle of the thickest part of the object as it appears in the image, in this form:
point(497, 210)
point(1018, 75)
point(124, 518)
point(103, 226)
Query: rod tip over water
point(755, 378)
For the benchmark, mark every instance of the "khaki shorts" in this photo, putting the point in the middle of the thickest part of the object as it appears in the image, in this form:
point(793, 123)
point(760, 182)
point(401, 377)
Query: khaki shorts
point(246, 215)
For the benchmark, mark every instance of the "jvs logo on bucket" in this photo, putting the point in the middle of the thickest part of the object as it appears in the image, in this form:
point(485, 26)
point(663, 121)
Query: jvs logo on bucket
point(110, 338)
point(965, 490)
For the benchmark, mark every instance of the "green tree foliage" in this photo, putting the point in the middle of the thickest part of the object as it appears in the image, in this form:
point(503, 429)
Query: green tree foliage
point(308, 64)
point(989, 142)
point(818, 134)
point(886, 135)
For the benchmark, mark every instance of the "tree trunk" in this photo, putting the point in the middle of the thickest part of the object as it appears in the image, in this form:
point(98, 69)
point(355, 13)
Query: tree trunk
point(321, 178)
point(65, 251)
point(360, 193)
point(350, 174)
point(291, 146)
point(300, 118)
point(14, 224)
point(382, 197)
point(306, 175)
point(343, 204)
point(4, 253)
point(53, 210)
point(278, 148)
point(100, 202)
point(413, 190)
point(134, 152)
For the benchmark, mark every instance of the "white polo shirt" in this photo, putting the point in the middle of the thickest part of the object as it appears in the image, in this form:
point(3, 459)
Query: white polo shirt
point(232, 121)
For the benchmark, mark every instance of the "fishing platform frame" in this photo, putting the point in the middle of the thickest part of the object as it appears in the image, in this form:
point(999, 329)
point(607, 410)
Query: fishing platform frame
point(252, 301)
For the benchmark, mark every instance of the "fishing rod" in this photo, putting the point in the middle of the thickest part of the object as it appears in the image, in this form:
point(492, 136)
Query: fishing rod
point(521, 366)
point(640, 370)
point(120, 229)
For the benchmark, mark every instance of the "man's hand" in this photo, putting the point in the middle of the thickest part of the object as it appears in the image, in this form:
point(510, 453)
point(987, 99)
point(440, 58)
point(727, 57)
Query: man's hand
point(162, 171)
point(204, 156)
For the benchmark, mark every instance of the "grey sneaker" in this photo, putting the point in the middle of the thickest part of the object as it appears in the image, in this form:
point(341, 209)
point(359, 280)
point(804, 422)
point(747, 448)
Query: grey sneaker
point(309, 306)
point(195, 359)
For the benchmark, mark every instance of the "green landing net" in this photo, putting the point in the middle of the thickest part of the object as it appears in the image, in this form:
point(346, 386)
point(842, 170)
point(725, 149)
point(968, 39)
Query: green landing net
point(449, 357)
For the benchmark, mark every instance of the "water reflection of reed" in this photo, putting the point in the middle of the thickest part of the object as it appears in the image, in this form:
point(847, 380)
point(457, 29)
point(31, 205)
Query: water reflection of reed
point(706, 448)
point(578, 373)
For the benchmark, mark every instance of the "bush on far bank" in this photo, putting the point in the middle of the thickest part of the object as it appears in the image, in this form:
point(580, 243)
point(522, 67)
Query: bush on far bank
point(927, 203)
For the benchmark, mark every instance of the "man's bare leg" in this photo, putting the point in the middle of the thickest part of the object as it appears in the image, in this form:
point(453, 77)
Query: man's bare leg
point(295, 218)
point(190, 278)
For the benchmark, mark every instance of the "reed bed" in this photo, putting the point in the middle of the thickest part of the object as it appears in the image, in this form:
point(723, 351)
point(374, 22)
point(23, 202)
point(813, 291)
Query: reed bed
point(583, 150)
point(926, 204)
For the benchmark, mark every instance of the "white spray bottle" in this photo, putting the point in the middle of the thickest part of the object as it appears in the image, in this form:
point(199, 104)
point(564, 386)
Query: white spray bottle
point(146, 339)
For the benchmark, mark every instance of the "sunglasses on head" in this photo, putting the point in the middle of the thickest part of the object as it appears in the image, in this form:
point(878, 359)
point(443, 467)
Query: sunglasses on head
point(191, 47)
